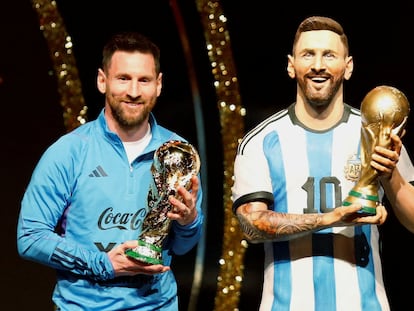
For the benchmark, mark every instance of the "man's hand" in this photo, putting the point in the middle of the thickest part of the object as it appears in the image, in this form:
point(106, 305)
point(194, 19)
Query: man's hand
point(184, 208)
point(126, 266)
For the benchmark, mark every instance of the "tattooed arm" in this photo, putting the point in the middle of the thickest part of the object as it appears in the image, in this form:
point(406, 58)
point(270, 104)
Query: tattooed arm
point(260, 224)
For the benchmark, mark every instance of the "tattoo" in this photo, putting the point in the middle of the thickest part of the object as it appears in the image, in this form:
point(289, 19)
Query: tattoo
point(262, 226)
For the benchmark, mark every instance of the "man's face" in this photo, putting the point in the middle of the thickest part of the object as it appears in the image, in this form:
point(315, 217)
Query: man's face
point(131, 87)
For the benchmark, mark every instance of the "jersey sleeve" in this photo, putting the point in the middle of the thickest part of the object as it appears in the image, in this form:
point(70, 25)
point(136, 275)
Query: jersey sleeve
point(405, 166)
point(251, 175)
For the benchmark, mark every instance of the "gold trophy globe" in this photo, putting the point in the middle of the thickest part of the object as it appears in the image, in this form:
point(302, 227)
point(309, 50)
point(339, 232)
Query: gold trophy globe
point(384, 110)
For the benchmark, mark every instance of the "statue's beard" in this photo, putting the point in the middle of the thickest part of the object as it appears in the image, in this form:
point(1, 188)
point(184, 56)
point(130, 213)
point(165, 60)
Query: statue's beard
point(320, 101)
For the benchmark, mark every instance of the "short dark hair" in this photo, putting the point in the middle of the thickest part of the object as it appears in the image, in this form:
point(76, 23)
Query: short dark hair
point(321, 23)
point(130, 42)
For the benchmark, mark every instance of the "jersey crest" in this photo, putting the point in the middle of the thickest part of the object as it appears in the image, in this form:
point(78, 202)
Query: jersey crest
point(352, 168)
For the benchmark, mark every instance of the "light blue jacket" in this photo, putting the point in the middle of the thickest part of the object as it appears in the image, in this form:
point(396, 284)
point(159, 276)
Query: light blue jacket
point(83, 199)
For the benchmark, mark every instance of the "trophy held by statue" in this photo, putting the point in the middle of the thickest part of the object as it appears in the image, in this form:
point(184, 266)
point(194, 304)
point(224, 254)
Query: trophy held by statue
point(175, 162)
point(384, 110)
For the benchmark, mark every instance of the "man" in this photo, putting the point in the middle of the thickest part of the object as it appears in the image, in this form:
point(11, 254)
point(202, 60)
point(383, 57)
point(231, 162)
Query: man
point(290, 183)
point(87, 199)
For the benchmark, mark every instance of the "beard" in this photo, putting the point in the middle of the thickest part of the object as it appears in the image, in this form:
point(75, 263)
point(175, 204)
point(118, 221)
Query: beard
point(127, 117)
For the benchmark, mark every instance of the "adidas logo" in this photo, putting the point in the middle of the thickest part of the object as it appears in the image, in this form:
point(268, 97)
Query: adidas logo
point(98, 172)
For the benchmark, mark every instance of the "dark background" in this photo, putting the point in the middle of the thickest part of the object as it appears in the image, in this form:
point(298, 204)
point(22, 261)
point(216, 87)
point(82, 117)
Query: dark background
point(261, 36)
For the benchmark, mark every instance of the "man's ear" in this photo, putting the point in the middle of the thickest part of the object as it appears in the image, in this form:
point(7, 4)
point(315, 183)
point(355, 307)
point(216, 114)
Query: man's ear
point(100, 81)
point(159, 84)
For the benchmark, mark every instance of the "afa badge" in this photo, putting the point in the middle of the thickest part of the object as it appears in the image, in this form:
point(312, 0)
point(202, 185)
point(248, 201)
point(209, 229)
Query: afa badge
point(353, 168)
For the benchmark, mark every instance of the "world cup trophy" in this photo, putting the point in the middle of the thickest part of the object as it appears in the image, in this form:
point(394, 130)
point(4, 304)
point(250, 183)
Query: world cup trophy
point(384, 110)
point(174, 163)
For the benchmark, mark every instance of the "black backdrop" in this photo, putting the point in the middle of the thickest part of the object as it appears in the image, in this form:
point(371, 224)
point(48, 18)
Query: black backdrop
point(261, 37)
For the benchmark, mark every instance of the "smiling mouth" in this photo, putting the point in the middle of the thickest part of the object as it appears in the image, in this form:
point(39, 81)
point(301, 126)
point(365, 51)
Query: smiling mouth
point(132, 103)
point(319, 79)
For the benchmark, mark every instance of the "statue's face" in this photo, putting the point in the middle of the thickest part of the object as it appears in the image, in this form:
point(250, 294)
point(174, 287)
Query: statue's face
point(384, 110)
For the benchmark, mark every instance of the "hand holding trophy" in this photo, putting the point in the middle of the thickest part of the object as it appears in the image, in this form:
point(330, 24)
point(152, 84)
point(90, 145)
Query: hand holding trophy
point(175, 162)
point(384, 110)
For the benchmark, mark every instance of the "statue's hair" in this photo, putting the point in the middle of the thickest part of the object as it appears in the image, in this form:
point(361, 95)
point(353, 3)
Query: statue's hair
point(321, 23)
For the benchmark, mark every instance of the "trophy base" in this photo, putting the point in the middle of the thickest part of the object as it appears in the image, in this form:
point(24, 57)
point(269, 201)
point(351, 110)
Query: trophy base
point(369, 202)
point(146, 253)
point(367, 211)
